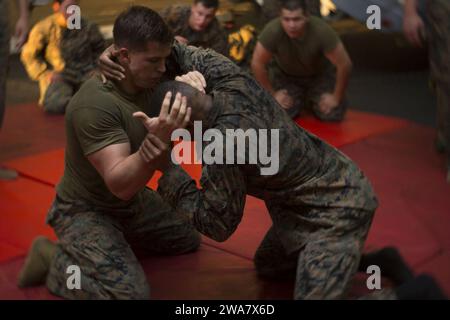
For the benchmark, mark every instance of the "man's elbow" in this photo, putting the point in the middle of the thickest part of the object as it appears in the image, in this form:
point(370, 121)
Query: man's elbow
point(255, 66)
point(122, 195)
point(347, 65)
point(120, 192)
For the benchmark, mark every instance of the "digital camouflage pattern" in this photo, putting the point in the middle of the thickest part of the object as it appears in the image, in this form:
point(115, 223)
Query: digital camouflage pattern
point(439, 54)
point(102, 243)
point(320, 202)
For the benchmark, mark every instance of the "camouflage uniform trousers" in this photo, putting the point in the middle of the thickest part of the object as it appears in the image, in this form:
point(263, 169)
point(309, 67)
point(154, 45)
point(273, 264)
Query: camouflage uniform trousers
point(103, 244)
point(325, 265)
point(271, 9)
point(438, 26)
point(57, 94)
point(4, 53)
point(306, 92)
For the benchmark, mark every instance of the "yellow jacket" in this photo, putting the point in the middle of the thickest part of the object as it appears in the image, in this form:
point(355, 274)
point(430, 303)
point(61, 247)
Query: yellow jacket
point(41, 54)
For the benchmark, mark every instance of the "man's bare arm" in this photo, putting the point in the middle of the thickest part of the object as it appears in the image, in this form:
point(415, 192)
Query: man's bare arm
point(261, 57)
point(126, 174)
point(413, 25)
point(341, 60)
point(23, 23)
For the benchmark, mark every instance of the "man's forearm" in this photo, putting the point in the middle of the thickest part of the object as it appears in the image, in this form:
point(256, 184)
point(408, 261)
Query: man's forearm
point(342, 79)
point(262, 76)
point(24, 9)
point(410, 7)
point(130, 176)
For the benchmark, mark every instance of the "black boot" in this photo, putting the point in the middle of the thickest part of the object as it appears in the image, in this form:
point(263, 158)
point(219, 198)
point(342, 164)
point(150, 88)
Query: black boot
point(391, 264)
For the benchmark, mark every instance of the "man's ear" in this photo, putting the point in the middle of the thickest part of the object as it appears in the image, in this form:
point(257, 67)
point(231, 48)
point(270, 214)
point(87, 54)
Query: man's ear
point(123, 56)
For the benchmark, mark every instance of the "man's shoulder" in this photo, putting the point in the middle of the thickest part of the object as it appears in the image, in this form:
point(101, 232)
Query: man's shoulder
point(272, 31)
point(318, 25)
point(274, 26)
point(93, 94)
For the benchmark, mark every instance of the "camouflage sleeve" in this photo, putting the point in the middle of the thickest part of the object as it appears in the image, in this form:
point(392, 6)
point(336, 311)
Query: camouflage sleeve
point(216, 209)
point(214, 67)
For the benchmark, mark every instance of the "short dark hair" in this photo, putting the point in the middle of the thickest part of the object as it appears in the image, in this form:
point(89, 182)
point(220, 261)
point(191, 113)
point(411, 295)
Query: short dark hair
point(137, 26)
point(208, 3)
point(292, 5)
point(173, 86)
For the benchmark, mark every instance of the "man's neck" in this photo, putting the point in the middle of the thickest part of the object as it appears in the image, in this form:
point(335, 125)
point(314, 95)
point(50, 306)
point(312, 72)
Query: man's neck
point(128, 87)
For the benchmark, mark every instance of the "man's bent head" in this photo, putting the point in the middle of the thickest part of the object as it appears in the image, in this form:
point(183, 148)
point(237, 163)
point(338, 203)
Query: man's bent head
point(199, 102)
point(143, 41)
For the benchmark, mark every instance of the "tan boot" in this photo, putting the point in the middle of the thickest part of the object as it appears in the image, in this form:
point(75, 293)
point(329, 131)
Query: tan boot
point(37, 263)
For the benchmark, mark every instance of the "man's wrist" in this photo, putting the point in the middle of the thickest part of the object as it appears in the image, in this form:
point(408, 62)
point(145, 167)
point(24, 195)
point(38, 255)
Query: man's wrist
point(338, 97)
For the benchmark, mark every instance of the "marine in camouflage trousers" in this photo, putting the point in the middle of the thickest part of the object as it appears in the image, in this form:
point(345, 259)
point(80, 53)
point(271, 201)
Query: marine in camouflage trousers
point(438, 26)
point(306, 92)
point(324, 267)
point(57, 93)
point(103, 243)
point(321, 204)
point(4, 53)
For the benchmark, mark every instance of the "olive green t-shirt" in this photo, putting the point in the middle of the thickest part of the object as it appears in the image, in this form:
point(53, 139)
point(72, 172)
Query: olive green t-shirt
point(302, 57)
point(99, 115)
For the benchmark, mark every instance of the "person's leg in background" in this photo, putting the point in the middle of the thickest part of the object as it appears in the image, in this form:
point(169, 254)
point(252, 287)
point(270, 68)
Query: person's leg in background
point(438, 25)
point(5, 174)
point(57, 96)
point(294, 86)
point(443, 94)
point(321, 85)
